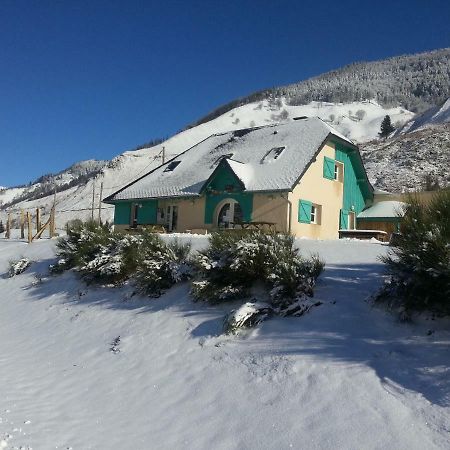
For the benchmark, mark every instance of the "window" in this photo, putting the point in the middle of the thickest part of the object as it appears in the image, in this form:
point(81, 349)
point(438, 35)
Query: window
point(313, 214)
point(171, 166)
point(338, 171)
point(333, 170)
point(272, 154)
point(229, 215)
point(309, 212)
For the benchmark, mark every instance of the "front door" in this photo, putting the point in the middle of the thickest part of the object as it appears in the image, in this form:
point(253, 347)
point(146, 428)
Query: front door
point(351, 221)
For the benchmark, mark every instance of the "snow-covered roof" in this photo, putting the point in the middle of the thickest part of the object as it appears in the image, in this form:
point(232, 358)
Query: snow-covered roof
point(386, 209)
point(247, 151)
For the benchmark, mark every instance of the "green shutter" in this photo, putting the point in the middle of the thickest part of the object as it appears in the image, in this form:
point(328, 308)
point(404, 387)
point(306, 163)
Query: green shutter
point(328, 168)
point(304, 211)
point(343, 222)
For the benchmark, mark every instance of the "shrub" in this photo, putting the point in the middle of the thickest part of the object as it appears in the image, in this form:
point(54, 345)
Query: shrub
point(18, 267)
point(81, 245)
point(159, 265)
point(237, 261)
point(103, 256)
point(419, 266)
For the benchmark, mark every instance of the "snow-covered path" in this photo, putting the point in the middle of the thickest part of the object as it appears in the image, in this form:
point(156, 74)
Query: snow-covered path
point(345, 376)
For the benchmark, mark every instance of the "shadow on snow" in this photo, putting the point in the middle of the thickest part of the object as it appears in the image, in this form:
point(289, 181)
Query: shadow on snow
point(346, 328)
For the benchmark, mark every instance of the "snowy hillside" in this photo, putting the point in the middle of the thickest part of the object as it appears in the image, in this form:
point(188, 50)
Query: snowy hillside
point(358, 120)
point(86, 367)
point(434, 116)
point(402, 163)
point(415, 82)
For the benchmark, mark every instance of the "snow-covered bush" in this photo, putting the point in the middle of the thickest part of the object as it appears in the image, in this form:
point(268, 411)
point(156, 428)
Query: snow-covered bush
point(159, 265)
point(84, 241)
point(18, 267)
point(235, 262)
point(419, 266)
point(104, 256)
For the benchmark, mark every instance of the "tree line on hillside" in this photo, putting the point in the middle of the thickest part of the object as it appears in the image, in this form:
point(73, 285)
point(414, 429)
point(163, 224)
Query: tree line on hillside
point(415, 82)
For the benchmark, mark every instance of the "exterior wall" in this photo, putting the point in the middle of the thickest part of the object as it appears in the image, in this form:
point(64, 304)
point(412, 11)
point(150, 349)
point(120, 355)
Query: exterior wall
point(321, 191)
point(390, 226)
point(271, 208)
point(146, 213)
point(191, 213)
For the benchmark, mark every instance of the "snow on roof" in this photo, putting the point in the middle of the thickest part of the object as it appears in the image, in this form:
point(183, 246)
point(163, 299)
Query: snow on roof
point(243, 171)
point(301, 139)
point(386, 209)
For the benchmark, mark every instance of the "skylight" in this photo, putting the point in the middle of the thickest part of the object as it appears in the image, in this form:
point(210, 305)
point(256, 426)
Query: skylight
point(273, 154)
point(171, 166)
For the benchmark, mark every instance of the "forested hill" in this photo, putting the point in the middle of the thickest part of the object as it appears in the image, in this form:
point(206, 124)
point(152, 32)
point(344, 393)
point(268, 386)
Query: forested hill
point(415, 82)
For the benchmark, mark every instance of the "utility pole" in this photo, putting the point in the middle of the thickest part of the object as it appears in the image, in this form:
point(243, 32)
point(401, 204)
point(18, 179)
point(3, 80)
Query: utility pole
point(163, 154)
point(93, 201)
point(100, 204)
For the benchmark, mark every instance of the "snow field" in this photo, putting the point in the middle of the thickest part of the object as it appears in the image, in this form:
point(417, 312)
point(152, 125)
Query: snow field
point(344, 376)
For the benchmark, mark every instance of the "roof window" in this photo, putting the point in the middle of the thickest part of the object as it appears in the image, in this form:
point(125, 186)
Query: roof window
point(273, 154)
point(171, 166)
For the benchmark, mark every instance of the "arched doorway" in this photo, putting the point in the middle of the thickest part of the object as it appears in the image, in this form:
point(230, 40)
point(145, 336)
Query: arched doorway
point(229, 213)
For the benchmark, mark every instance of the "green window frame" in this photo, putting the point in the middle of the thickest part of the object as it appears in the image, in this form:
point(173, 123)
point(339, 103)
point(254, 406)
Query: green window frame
point(304, 211)
point(328, 168)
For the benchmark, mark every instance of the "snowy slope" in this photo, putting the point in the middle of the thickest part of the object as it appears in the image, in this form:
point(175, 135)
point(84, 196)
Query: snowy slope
point(434, 116)
point(345, 376)
point(76, 202)
point(401, 164)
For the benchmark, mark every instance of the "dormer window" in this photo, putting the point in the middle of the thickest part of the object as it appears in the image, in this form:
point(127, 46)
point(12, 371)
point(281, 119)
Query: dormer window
point(171, 166)
point(273, 154)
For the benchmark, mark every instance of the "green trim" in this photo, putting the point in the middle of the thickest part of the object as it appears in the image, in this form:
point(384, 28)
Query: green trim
point(244, 199)
point(223, 179)
point(379, 219)
point(304, 211)
point(357, 190)
point(328, 168)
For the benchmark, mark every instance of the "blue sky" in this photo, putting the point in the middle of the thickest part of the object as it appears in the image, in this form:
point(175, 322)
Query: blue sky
point(90, 79)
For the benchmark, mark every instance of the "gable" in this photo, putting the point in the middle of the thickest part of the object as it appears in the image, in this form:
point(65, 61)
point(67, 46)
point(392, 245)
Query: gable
point(223, 179)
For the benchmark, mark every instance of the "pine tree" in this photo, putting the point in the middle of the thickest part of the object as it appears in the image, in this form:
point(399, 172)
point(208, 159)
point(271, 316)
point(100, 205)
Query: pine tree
point(386, 127)
point(2, 228)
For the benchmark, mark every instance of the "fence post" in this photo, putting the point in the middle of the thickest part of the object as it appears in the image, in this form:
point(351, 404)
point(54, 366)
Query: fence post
point(22, 224)
point(38, 219)
point(51, 231)
point(30, 230)
point(8, 226)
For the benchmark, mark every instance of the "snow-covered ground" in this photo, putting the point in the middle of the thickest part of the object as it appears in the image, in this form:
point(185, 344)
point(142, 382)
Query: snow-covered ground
point(86, 367)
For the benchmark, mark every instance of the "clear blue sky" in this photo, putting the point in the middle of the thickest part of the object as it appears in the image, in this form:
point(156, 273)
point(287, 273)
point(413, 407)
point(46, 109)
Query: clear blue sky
point(89, 79)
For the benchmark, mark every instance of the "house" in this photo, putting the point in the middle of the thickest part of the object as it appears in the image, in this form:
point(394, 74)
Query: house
point(301, 177)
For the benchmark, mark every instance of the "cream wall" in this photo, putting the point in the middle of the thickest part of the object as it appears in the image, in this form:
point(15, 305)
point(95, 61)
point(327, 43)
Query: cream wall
point(271, 208)
point(321, 191)
point(191, 213)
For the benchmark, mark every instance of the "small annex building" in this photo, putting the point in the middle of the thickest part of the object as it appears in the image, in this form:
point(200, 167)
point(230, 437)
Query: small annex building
point(301, 177)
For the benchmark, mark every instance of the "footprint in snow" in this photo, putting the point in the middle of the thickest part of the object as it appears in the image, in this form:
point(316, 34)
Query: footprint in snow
point(115, 345)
